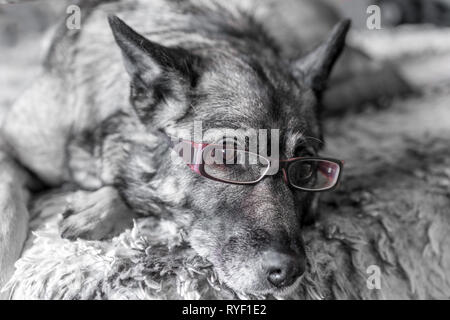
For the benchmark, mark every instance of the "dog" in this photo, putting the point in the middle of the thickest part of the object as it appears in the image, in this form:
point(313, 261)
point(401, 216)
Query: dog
point(100, 114)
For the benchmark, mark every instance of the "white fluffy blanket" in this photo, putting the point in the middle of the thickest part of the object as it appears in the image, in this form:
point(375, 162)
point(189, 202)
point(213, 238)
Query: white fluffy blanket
point(391, 211)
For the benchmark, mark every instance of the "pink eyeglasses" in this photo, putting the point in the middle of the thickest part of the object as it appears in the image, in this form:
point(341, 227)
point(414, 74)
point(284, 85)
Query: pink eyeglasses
point(231, 165)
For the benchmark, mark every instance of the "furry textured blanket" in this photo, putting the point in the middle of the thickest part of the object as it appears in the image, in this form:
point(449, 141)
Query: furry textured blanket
point(391, 211)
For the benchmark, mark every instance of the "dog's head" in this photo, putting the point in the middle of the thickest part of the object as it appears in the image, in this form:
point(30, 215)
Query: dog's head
point(251, 233)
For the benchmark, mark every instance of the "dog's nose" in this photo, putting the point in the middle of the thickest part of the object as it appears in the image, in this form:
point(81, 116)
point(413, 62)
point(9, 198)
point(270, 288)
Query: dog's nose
point(283, 269)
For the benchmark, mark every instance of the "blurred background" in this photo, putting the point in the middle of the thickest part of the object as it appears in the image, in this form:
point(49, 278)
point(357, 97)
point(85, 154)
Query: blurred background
point(24, 25)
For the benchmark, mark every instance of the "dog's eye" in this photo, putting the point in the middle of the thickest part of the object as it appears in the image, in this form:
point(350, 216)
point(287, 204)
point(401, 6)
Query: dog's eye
point(224, 156)
point(229, 156)
point(304, 171)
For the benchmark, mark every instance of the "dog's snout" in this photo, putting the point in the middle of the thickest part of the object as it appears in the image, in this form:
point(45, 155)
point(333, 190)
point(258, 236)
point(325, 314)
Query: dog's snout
point(283, 269)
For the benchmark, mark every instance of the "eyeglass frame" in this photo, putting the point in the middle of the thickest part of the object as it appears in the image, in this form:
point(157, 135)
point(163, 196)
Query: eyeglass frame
point(199, 166)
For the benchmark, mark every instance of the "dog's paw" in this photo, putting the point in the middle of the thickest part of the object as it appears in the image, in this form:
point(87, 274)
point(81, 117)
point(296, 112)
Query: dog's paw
point(95, 215)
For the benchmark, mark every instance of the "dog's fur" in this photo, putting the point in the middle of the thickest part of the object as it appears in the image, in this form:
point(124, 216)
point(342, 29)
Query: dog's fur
point(83, 123)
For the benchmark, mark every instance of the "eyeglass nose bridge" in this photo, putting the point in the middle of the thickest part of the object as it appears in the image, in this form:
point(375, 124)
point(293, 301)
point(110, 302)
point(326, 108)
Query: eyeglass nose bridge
point(282, 167)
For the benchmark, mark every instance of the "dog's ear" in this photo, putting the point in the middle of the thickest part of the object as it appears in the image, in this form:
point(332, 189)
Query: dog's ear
point(315, 68)
point(155, 70)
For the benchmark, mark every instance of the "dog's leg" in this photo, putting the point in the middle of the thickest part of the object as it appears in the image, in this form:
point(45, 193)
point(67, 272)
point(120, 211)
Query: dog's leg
point(33, 131)
point(93, 160)
point(94, 156)
point(95, 215)
point(13, 214)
